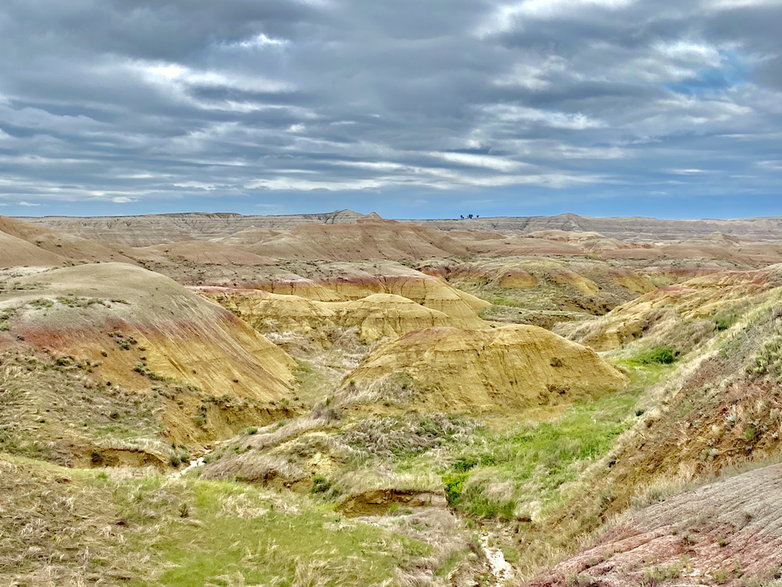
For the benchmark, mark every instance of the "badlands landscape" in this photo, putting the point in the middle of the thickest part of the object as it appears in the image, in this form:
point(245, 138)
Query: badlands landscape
point(342, 399)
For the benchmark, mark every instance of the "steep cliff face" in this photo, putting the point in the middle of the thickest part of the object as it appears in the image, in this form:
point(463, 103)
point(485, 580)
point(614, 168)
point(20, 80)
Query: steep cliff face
point(494, 370)
point(631, 228)
point(157, 228)
point(152, 229)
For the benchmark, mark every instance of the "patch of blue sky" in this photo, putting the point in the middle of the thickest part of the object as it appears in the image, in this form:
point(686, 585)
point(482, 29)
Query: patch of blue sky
point(733, 72)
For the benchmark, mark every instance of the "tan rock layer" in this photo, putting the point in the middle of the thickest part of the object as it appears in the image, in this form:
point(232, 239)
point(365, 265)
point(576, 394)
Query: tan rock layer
point(494, 370)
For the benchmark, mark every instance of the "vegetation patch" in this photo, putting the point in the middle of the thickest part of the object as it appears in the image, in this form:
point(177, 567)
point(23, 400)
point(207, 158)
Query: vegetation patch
point(238, 531)
point(520, 473)
point(414, 434)
point(662, 355)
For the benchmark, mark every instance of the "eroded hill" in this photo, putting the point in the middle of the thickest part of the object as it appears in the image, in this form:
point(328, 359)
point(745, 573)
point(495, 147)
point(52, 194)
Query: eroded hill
point(164, 364)
point(345, 384)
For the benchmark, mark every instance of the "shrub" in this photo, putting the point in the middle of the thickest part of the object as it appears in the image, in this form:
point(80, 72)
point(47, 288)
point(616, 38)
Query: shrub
point(663, 355)
point(320, 484)
point(454, 485)
point(722, 323)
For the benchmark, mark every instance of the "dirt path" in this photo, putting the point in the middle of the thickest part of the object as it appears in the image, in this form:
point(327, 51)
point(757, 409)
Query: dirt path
point(500, 568)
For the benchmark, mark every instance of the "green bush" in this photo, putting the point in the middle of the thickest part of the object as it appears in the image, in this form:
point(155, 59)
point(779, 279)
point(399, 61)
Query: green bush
point(663, 355)
point(320, 484)
point(454, 485)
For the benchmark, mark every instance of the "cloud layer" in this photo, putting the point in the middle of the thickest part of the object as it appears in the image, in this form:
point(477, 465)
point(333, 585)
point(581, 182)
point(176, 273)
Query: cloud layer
point(108, 105)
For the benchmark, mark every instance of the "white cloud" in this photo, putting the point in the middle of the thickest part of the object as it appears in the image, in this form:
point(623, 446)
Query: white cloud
point(508, 16)
point(28, 204)
point(176, 74)
point(260, 40)
point(511, 113)
point(485, 161)
point(196, 185)
point(732, 4)
point(306, 185)
point(700, 53)
point(693, 171)
point(122, 200)
point(534, 76)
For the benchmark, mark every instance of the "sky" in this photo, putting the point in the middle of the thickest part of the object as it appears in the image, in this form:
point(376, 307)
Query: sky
point(411, 108)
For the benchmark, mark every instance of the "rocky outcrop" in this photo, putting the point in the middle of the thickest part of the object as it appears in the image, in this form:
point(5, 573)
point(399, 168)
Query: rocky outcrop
point(633, 229)
point(152, 229)
point(343, 282)
point(728, 532)
point(157, 228)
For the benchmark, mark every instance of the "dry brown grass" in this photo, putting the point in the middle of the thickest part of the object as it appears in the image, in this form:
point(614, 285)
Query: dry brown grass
point(56, 530)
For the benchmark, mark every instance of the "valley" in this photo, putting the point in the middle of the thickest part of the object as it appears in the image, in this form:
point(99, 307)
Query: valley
point(535, 401)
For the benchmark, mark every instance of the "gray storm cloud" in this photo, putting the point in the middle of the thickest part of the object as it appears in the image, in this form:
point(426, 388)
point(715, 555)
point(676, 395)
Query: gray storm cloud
point(121, 102)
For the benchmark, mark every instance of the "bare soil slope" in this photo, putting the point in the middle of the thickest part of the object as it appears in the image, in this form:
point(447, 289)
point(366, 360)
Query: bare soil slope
point(671, 315)
point(152, 229)
point(630, 228)
point(507, 368)
point(159, 228)
point(728, 532)
point(50, 247)
point(122, 327)
point(367, 239)
point(376, 316)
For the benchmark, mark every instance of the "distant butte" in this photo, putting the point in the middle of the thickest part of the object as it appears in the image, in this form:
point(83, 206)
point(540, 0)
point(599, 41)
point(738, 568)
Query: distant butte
point(153, 229)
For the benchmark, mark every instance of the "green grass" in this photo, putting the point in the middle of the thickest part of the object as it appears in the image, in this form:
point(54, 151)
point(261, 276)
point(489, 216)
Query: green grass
point(663, 355)
point(203, 532)
point(521, 472)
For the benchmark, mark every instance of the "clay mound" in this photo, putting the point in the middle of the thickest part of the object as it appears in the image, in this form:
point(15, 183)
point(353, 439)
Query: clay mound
point(367, 240)
point(512, 367)
point(353, 281)
point(270, 312)
point(461, 308)
point(18, 253)
point(201, 252)
point(376, 316)
point(383, 315)
point(64, 246)
point(541, 291)
point(140, 327)
point(729, 533)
